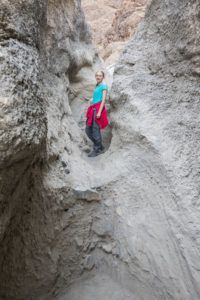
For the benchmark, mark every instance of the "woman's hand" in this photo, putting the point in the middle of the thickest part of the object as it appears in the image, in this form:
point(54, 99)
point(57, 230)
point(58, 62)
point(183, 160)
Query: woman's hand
point(98, 115)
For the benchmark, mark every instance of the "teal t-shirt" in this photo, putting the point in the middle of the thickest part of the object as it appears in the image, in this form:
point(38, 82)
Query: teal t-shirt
point(98, 92)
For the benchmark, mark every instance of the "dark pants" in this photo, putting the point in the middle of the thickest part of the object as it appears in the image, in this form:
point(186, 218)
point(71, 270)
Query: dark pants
point(94, 134)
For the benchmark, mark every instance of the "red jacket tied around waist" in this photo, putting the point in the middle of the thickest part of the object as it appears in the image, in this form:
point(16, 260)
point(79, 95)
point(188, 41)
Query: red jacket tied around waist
point(102, 121)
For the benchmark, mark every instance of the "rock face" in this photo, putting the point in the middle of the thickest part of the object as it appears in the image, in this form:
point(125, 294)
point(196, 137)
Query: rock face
point(113, 23)
point(155, 103)
point(46, 55)
point(124, 225)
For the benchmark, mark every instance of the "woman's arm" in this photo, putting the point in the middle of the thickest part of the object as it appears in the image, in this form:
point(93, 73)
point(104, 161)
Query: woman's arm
point(102, 104)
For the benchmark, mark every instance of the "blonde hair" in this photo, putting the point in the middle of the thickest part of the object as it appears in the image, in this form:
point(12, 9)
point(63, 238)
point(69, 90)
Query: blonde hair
point(102, 72)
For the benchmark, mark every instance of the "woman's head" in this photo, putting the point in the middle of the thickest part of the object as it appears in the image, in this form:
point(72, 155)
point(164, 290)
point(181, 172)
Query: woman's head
point(99, 75)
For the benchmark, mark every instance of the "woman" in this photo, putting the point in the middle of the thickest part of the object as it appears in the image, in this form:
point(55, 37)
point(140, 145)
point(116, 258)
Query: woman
point(97, 115)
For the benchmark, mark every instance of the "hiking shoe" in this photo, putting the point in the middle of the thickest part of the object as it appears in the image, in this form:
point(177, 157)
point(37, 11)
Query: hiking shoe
point(94, 153)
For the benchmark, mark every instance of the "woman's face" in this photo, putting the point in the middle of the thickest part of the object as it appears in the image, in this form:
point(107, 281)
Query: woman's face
point(99, 77)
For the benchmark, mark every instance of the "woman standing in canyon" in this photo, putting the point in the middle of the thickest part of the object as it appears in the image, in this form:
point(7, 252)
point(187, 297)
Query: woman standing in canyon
point(97, 115)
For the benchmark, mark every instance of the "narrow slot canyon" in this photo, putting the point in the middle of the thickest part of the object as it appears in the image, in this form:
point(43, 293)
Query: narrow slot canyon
point(125, 224)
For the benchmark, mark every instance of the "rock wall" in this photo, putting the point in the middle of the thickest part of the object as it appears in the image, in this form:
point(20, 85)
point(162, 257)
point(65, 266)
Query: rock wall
point(123, 225)
point(155, 99)
point(112, 24)
point(46, 58)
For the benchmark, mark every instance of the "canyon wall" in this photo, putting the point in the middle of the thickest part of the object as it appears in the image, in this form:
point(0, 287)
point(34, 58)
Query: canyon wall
point(155, 100)
point(46, 60)
point(112, 23)
point(123, 225)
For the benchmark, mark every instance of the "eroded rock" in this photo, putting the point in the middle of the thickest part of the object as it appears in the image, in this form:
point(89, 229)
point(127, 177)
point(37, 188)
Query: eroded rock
point(148, 179)
point(112, 24)
point(44, 47)
point(85, 194)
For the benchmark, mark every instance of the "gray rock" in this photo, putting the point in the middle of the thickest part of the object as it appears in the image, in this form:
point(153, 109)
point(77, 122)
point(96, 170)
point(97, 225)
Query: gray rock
point(88, 262)
point(155, 100)
point(45, 46)
point(107, 248)
point(79, 241)
point(149, 176)
point(86, 194)
point(103, 227)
